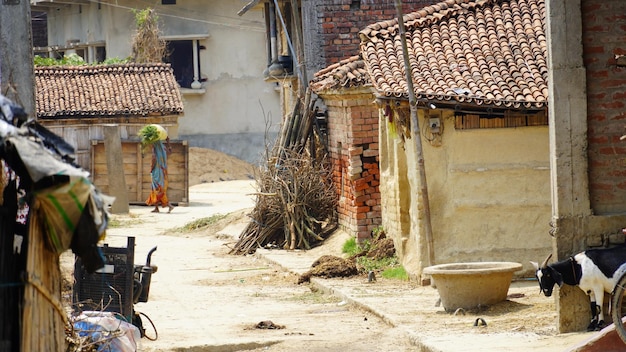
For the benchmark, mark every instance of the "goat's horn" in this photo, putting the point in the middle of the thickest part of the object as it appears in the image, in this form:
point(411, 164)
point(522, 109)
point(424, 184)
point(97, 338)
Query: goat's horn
point(545, 262)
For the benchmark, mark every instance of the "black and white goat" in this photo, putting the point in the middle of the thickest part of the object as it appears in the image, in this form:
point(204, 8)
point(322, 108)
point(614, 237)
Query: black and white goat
point(594, 271)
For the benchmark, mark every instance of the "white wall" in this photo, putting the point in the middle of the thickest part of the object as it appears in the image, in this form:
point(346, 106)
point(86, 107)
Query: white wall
point(231, 114)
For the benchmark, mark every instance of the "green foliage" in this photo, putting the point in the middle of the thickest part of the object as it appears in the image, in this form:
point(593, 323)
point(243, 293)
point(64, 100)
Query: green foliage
point(377, 231)
point(201, 223)
point(68, 60)
point(74, 60)
point(148, 134)
point(350, 247)
point(142, 17)
point(395, 273)
point(366, 264)
point(389, 267)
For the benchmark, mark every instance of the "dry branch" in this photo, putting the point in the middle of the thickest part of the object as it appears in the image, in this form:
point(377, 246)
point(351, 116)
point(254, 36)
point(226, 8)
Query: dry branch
point(296, 200)
point(148, 46)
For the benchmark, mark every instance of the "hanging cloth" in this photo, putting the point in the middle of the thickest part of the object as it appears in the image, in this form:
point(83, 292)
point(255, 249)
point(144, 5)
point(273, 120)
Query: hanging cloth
point(60, 208)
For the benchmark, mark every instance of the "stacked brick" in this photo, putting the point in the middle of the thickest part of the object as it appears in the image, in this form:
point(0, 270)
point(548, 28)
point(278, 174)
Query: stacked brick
point(603, 45)
point(353, 128)
point(341, 20)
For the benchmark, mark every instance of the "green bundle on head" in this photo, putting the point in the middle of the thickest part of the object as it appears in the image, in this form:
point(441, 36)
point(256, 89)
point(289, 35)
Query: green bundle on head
point(150, 134)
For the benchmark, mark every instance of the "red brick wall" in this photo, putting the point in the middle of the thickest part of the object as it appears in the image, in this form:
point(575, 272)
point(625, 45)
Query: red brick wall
point(343, 19)
point(353, 136)
point(604, 33)
point(353, 118)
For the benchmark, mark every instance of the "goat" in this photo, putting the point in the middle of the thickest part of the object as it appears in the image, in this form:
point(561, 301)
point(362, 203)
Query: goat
point(594, 271)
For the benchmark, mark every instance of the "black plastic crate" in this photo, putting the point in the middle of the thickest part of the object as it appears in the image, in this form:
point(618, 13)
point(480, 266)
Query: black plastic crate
point(109, 289)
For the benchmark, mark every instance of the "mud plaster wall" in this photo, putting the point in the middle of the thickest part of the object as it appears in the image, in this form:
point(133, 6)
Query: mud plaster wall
point(489, 192)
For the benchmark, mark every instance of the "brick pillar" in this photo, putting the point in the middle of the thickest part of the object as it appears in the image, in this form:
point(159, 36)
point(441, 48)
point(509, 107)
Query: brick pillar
point(353, 143)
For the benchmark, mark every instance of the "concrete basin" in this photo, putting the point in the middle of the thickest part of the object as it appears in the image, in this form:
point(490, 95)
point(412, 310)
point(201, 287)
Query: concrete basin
point(470, 285)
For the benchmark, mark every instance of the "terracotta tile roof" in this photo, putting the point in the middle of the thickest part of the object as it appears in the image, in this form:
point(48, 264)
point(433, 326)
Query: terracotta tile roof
point(106, 90)
point(347, 73)
point(477, 52)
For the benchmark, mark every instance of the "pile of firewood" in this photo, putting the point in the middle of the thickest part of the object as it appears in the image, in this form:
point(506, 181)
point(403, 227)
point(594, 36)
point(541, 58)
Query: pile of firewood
point(296, 201)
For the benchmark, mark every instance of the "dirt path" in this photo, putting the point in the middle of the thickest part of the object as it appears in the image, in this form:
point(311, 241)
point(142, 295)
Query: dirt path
point(203, 299)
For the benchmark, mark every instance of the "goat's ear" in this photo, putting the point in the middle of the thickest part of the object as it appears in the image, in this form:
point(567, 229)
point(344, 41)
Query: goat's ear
point(535, 265)
point(557, 277)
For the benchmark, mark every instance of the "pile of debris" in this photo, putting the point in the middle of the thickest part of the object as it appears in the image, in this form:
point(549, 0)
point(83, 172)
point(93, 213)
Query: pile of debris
point(329, 266)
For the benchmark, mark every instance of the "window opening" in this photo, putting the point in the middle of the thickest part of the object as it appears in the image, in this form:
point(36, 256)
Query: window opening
point(185, 61)
point(508, 119)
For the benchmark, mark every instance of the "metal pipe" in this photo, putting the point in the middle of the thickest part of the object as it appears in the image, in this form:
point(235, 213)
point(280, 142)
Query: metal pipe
point(293, 52)
point(273, 33)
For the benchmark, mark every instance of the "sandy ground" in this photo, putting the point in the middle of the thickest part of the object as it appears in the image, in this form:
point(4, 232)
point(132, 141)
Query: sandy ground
point(204, 299)
point(207, 165)
point(220, 299)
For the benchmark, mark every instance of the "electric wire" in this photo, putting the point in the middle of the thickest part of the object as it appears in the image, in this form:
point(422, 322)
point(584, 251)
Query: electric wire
point(254, 25)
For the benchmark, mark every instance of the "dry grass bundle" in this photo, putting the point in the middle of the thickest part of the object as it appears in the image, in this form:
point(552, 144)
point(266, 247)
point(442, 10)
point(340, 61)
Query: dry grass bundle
point(147, 47)
point(43, 314)
point(296, 202)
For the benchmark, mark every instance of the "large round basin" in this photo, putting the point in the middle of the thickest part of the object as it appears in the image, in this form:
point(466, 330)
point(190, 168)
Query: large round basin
point(470, 285)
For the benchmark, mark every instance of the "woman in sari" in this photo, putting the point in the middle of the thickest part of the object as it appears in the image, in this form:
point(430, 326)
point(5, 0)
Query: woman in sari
point(158, 172)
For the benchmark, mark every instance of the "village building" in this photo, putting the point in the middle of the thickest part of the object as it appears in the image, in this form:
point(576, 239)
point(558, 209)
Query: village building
point(77, 103)
point(483, 130)
point(328, 36)
point(563, 178)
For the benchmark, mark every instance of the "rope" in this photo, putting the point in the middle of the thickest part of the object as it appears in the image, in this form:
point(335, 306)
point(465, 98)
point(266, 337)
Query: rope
point(44, 291)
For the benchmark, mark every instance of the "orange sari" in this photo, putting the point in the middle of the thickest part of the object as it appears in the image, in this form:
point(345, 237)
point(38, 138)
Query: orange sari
point(158, 194)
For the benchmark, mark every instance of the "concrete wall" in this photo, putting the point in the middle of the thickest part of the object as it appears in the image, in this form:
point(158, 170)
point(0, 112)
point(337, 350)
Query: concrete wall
point(586, 121)
point(17, 79)
point(236, 106)
point(489, 194)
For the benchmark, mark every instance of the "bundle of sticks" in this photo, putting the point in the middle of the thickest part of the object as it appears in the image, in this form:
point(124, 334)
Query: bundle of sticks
point(296, 201)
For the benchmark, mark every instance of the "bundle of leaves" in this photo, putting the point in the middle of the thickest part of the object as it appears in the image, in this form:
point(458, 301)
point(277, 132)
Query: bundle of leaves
point(150, 134)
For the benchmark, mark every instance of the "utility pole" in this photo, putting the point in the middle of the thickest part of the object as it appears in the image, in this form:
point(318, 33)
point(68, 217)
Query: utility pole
point(417, 140)
point(17, 80)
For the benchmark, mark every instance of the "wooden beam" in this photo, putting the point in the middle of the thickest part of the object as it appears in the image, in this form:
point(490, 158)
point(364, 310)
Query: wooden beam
point(250, 5)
